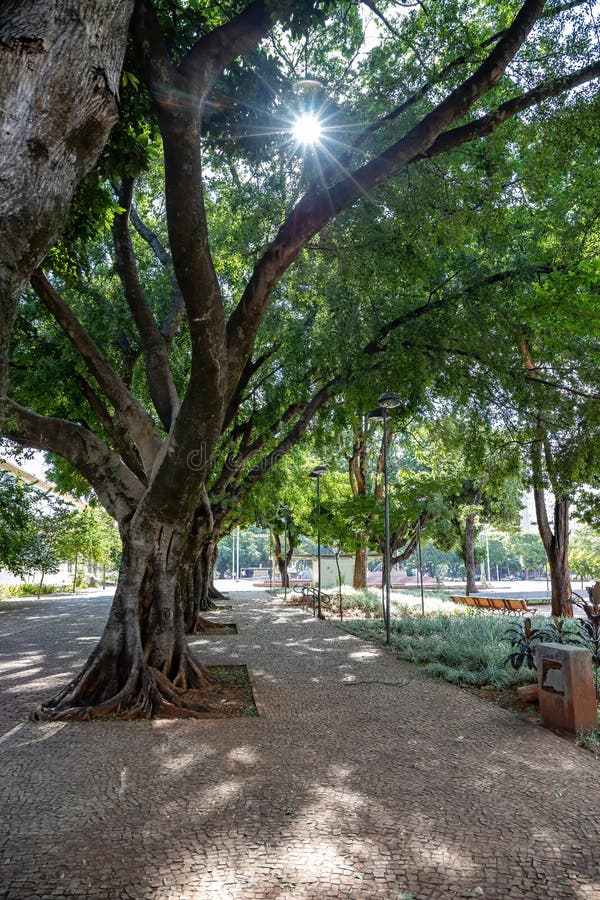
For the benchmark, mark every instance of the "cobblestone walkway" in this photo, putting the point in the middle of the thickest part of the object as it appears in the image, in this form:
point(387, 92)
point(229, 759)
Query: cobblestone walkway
point(361, 778)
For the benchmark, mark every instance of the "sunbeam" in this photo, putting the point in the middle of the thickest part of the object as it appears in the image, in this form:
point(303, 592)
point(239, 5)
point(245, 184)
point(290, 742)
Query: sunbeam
point(307, 129)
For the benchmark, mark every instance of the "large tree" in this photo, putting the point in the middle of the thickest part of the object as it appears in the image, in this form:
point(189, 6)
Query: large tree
point(149, 460)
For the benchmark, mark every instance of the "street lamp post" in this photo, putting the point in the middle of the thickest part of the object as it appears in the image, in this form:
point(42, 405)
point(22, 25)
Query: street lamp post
point(317, 473)
point(284, 519)
point(386, 401)
point(420, 564)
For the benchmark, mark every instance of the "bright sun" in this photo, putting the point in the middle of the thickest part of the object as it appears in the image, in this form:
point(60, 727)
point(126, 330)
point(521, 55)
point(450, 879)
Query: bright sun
point(307, 129)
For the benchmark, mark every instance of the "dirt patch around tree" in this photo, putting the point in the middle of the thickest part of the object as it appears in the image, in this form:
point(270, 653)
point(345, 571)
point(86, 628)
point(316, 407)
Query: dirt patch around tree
point(217, 629)
point(235, 693)
point(507, 698)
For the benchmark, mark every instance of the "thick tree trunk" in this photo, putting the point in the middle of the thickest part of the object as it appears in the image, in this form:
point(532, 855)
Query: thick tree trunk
point(142, 666)
point(59, 75)
point(469, 554)
point(556, 545)
point(284, 574)
point(560, 581)
point(213, 592)
point(196, 579)
point(197, 599)
point(284, 558)
point(359, 576)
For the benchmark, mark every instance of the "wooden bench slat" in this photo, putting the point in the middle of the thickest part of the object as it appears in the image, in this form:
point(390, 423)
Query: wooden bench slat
point(503, 604)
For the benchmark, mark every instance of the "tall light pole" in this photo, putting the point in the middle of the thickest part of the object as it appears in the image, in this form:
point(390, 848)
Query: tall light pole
point(317, 473)
point(387, 401)
point(420, 564)
point(284, 519)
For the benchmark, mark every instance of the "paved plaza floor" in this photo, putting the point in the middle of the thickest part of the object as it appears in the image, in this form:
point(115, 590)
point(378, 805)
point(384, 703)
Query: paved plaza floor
point(361, 778)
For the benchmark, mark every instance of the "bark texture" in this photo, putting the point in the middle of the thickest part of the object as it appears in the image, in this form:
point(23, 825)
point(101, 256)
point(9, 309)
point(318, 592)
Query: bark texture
point(59, 77)
point(283, 555)
point(359, 574)
point(469, 553)
point(556, 545)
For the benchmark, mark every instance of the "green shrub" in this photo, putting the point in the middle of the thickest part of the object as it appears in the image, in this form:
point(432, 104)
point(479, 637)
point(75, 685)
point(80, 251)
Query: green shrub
point(368, 602)
point(460, 649)
point(28, 590)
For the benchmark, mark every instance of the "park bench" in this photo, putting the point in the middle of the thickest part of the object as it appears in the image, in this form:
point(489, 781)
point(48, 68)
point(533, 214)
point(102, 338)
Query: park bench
point(503, 604)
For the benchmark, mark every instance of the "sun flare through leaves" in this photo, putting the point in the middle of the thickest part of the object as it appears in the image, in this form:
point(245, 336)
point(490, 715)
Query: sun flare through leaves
point(307, 129)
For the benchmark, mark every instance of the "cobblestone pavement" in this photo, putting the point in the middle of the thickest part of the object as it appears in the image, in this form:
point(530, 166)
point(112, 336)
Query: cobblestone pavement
point(362, 778)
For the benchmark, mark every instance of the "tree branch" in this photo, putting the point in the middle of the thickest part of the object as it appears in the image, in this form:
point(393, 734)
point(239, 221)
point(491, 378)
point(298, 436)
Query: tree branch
point(171, 322)
point(250, 369)
point(259, 471)
point(436, 80)
point(318, 207)
point(483, 126)
point(117, 487)
point(113, 428)
point(411, 315)
point(156, 360)
point(128, 407)
point(215, 51)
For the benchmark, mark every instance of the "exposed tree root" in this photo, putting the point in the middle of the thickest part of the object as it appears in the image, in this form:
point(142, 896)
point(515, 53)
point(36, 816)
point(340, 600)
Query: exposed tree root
point(200, 625)
point(147, 693)
point(215, 594)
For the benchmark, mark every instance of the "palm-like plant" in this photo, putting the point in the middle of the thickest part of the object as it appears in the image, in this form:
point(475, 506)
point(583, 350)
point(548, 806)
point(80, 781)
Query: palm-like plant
point(523, 638)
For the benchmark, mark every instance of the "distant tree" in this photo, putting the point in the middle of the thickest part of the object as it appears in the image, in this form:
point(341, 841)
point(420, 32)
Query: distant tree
point(16, 523)
point(30, 522)
point(39, 552)
point(472, 473)
point(584, 553)
point(529, 550)
point(84, 535)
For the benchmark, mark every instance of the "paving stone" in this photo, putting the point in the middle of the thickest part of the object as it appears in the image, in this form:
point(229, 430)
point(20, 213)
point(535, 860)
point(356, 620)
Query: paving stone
point(362, 778)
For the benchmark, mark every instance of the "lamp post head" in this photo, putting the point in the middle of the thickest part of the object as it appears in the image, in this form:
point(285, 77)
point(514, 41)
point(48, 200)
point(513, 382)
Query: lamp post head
point(389, 400)
point(318, 471)
point(376, 413)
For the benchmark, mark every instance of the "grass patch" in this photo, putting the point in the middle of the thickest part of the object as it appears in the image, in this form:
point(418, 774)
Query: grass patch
point(461, 649)
point(237, 686)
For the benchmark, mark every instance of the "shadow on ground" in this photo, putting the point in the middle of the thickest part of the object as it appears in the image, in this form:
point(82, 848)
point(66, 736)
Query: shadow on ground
point(361, 778)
